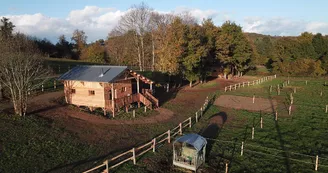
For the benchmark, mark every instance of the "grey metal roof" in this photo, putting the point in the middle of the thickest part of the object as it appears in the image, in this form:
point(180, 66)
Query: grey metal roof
point(193, 139)
point(94, 73)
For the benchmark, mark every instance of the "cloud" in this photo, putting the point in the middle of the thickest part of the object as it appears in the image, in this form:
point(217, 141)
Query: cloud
point(218, 17)
point(282, 26)
point(97, 23)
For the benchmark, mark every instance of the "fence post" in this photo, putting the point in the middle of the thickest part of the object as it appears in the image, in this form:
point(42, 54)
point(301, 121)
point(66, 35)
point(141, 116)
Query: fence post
point(276, 116)
point(145, 108)
point(253, 132)
point(169, 136)
point(316, 163)
point(42, 88)
point(189, 122)
point(196, 117)
point(242, 149)
point(201, 111)
point(54, 84)
point(134, 156)
point(253, 98)
point(306, 82)
point(261, 122)
point(180, 130)
point(154, 145)
point(106, 162)
point(134, 113)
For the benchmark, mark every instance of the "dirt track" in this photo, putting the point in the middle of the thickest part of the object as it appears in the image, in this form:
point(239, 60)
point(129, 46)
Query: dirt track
point(246, 103)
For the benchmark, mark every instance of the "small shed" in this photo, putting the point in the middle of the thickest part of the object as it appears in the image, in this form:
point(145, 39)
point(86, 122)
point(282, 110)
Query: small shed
point(189, 151)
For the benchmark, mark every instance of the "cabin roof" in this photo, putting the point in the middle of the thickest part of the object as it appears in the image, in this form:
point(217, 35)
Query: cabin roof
point(193, 139)
point(94, 73)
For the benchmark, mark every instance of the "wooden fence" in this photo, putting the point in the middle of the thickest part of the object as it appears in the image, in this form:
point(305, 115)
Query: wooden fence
point(132, 154)
point(249, 83)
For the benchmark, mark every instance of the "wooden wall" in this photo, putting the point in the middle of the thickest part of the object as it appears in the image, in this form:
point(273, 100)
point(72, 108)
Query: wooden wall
point(81, 96)
point(119, 88)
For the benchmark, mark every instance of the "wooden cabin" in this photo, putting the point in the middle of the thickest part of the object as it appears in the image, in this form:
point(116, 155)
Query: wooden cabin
point(108, 87)
point(189, 151)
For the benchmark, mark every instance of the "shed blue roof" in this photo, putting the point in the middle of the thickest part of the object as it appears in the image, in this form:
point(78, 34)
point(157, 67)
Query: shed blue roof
point(193, 139)
point(94, 73)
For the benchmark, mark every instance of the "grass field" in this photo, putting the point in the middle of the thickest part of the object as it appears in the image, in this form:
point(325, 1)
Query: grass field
point(287, 145)
point(60, 66)
point(35, 144)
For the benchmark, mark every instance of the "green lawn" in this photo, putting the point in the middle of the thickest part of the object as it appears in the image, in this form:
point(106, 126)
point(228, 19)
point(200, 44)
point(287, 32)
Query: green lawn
point(287, 145)
point(34, 144)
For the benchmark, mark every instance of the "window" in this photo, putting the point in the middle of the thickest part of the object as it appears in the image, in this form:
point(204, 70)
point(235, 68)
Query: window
point(91, 92)
point(123, 89)
point(73, 91)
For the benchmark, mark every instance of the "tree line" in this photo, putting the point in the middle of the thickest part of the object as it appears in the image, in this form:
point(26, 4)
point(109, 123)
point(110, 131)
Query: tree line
point(177, 44)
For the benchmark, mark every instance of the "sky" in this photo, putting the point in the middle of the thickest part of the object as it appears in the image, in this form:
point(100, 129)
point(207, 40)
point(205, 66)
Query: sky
point(50, 19)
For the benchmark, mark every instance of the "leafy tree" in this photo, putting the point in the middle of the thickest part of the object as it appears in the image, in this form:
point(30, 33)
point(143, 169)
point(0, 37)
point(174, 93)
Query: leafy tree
point(195, 53)
point(210, 32)
point(6, 28)
point(171, 49)
point(265, 49)
point(233, 48)
point(94, 53)
point(306, 48)
point(64, 48)
point(320, 45)
point(80, 40)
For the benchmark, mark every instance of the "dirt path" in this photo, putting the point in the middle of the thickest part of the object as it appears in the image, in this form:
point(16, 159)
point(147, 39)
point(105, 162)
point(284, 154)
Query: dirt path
point(163, 115)
point(246, 103)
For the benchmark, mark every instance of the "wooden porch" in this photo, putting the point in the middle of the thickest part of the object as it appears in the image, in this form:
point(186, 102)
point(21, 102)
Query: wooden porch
point(145, 98)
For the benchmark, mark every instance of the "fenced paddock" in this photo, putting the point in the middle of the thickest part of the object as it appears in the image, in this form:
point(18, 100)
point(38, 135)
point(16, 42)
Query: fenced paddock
point(259, 141)
point(290, 138)
point(246, 103)
point(154, 144)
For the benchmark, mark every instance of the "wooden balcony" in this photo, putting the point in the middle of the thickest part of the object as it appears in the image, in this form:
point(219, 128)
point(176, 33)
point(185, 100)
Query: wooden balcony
point(147, 99)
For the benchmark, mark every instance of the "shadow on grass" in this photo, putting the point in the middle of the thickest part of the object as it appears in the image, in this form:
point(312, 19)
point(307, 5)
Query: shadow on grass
point(213, 129)
point(281, 141)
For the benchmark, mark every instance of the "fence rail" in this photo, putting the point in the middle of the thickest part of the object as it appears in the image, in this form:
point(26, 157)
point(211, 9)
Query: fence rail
point(249, 83)
point(152, 144)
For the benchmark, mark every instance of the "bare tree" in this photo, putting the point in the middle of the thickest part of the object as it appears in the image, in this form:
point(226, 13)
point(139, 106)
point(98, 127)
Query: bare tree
point(21, 70)
point(137, 19)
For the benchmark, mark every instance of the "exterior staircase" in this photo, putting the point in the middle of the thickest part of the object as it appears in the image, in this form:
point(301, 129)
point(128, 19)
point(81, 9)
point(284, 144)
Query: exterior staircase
point(145, 98)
